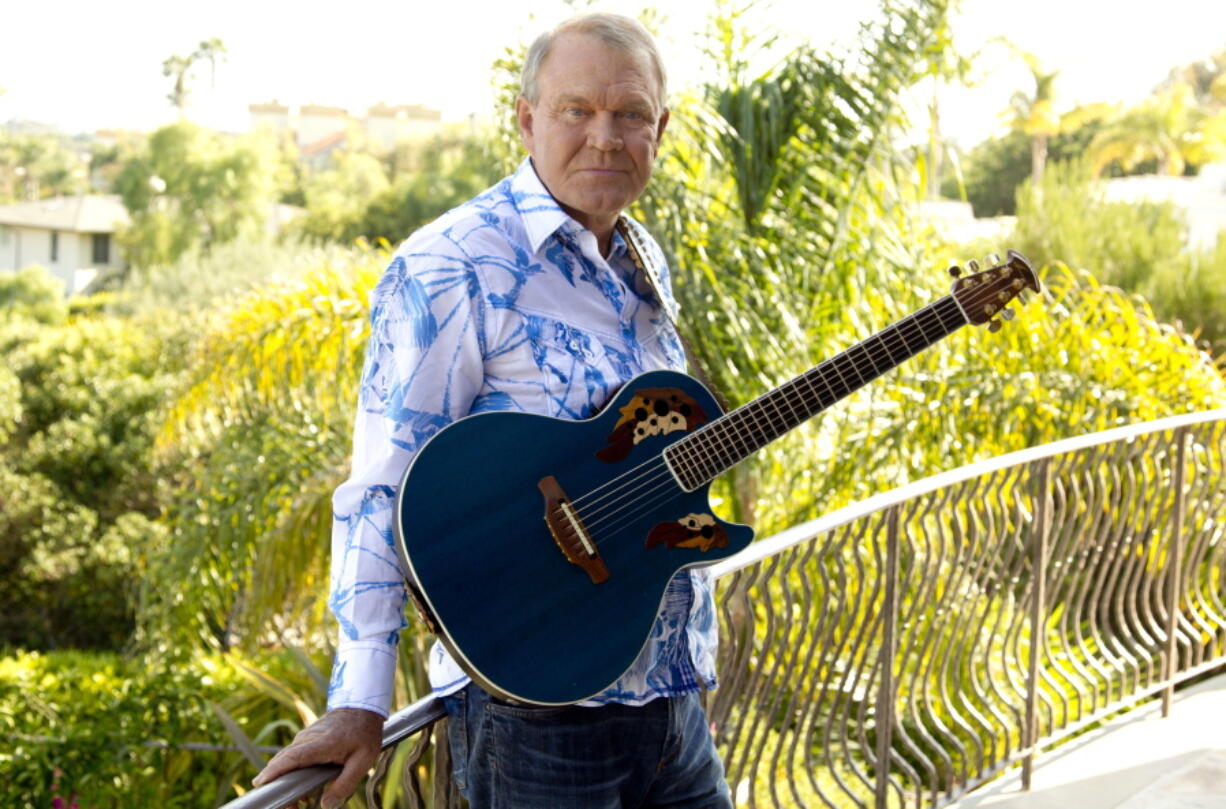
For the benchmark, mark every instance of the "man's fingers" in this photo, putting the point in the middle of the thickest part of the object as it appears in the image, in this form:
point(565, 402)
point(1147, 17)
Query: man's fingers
point(347, 782)
point(292, 758)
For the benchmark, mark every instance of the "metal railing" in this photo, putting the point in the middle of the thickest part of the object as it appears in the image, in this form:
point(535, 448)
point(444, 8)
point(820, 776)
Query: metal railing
point(906, 649)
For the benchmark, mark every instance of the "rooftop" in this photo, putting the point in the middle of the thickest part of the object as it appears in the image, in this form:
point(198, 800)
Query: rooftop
point(88, 213)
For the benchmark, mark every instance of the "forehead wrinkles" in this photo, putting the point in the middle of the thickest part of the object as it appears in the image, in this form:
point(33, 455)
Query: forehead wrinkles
point(581, 67)
point(616, 97)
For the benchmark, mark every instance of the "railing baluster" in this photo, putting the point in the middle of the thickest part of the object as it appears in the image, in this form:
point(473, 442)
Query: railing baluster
point(1174, 560)
point(884, 715)
point(1038, 616)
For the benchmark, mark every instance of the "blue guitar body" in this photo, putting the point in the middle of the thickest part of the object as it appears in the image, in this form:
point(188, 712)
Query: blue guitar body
point(525, 621)
point(539, 549)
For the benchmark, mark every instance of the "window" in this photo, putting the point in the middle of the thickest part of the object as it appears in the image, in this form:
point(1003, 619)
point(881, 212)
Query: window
point(55, 245)
point(102, 248)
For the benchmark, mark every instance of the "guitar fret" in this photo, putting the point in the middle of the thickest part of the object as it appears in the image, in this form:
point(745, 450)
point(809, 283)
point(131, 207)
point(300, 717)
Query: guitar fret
point(720, 445)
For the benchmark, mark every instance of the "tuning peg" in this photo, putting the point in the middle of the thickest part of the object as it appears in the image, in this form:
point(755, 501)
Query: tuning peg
point(1007, 314)
point(972, 265)
point(991, 259)
point(955, 271)
point(994, 324)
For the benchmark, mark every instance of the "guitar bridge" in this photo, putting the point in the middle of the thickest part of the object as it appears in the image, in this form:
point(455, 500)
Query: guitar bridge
point(569, 532)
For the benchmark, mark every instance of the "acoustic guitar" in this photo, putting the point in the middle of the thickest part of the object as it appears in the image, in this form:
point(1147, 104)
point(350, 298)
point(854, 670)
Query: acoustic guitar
point(539, 549)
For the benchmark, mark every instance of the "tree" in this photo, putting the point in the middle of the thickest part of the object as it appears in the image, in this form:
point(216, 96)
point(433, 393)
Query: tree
point(354, 200)
point(178, 67)
point(1034, 114)
point(191, 189)
point(38, 166)
point(1168, 127)
point(1206, 77)
point(337, 197)
point(993, 170)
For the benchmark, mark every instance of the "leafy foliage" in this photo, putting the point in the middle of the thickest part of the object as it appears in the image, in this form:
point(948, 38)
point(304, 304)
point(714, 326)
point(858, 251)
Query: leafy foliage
point(355, 199)
point(109, 732)
point(78, 493)
point(336, 198)
point(262, 434)
point(35, 167)
point(1168, 128)
point(179, 66)
point(191, 189)
point(1141, 247)
point(450, 173)
point(996, 168)
point(32, 293)
point(200, 284)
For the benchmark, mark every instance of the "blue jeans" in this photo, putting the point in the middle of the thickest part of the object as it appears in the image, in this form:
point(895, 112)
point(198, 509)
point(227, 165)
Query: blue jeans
point(613, 757)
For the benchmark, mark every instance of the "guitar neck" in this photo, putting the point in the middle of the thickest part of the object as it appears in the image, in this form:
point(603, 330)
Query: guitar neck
point(716, 447)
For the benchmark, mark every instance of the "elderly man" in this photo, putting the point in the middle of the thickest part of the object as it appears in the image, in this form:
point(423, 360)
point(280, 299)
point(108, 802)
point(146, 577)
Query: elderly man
point(524, 298)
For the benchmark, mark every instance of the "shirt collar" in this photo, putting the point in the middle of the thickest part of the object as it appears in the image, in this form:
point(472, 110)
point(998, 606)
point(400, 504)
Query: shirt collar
point(540, 212)
point(542, 215)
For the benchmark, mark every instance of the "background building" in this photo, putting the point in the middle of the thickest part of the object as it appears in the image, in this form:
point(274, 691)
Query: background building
point(73, 237)
point(319, 129)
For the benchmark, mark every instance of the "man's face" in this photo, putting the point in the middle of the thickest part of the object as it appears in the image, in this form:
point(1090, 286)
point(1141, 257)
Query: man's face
point(595, 128)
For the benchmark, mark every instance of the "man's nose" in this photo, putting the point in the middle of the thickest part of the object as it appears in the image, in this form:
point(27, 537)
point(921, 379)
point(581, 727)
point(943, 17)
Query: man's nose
point(604, 133)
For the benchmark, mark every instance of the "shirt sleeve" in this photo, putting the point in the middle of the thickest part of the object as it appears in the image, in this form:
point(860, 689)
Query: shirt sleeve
point(423, 369)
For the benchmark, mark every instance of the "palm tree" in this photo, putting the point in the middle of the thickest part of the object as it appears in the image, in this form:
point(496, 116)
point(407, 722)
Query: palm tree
point(1168, 127)
point(211, 50)
point(1034, 113)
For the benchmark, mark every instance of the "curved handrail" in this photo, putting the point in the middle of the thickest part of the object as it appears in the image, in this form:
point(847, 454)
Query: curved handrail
point(294, 786)
point(768, 546)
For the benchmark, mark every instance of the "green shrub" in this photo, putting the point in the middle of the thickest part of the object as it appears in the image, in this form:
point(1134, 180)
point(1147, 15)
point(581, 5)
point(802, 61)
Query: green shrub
point(10, 403)
point(201, 282)
point(32, 293)
point(106, 731)
point(1067, 218)
point(1194, 293)
point(78, 491)
point(1140, 247)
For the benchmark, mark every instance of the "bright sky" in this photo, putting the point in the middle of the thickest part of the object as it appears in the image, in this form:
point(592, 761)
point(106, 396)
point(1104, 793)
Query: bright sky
point(84, 66)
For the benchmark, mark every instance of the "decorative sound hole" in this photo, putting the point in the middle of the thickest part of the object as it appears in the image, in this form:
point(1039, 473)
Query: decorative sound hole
point(651, 412)
point(697, 531)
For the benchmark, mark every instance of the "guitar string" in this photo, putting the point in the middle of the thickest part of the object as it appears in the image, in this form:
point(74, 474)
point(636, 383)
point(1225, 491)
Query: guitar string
point(726, 427)
point(596, 519)
point(877, 342)
point(651, 489)
point(728, 421)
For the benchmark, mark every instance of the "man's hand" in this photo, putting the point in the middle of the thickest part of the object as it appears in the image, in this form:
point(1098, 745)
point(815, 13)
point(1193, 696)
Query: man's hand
point(350, 737)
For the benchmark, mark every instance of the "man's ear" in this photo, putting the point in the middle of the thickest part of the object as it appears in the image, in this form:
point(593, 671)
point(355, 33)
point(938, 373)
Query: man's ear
point(660, 126)
point(523, 112)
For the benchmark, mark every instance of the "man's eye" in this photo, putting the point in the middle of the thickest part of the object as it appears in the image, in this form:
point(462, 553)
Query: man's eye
point(574, 112)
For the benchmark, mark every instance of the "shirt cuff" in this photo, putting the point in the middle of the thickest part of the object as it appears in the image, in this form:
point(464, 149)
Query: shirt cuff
point(363, 674)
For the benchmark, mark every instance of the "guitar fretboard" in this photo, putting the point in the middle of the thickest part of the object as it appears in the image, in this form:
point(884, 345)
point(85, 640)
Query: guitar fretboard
point(725, 442)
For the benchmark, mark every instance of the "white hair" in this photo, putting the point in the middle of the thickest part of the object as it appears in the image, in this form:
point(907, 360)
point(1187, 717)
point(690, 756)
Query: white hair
point(623, 34)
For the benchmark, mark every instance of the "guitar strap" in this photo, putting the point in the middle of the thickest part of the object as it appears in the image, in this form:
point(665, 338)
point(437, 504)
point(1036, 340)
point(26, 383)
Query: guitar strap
point(643, 261)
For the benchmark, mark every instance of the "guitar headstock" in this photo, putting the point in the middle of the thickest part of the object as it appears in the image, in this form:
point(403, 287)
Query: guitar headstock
point(986, 293)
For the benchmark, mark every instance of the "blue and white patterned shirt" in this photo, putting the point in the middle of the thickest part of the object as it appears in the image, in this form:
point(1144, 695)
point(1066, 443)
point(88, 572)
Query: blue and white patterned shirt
point(504, 303)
